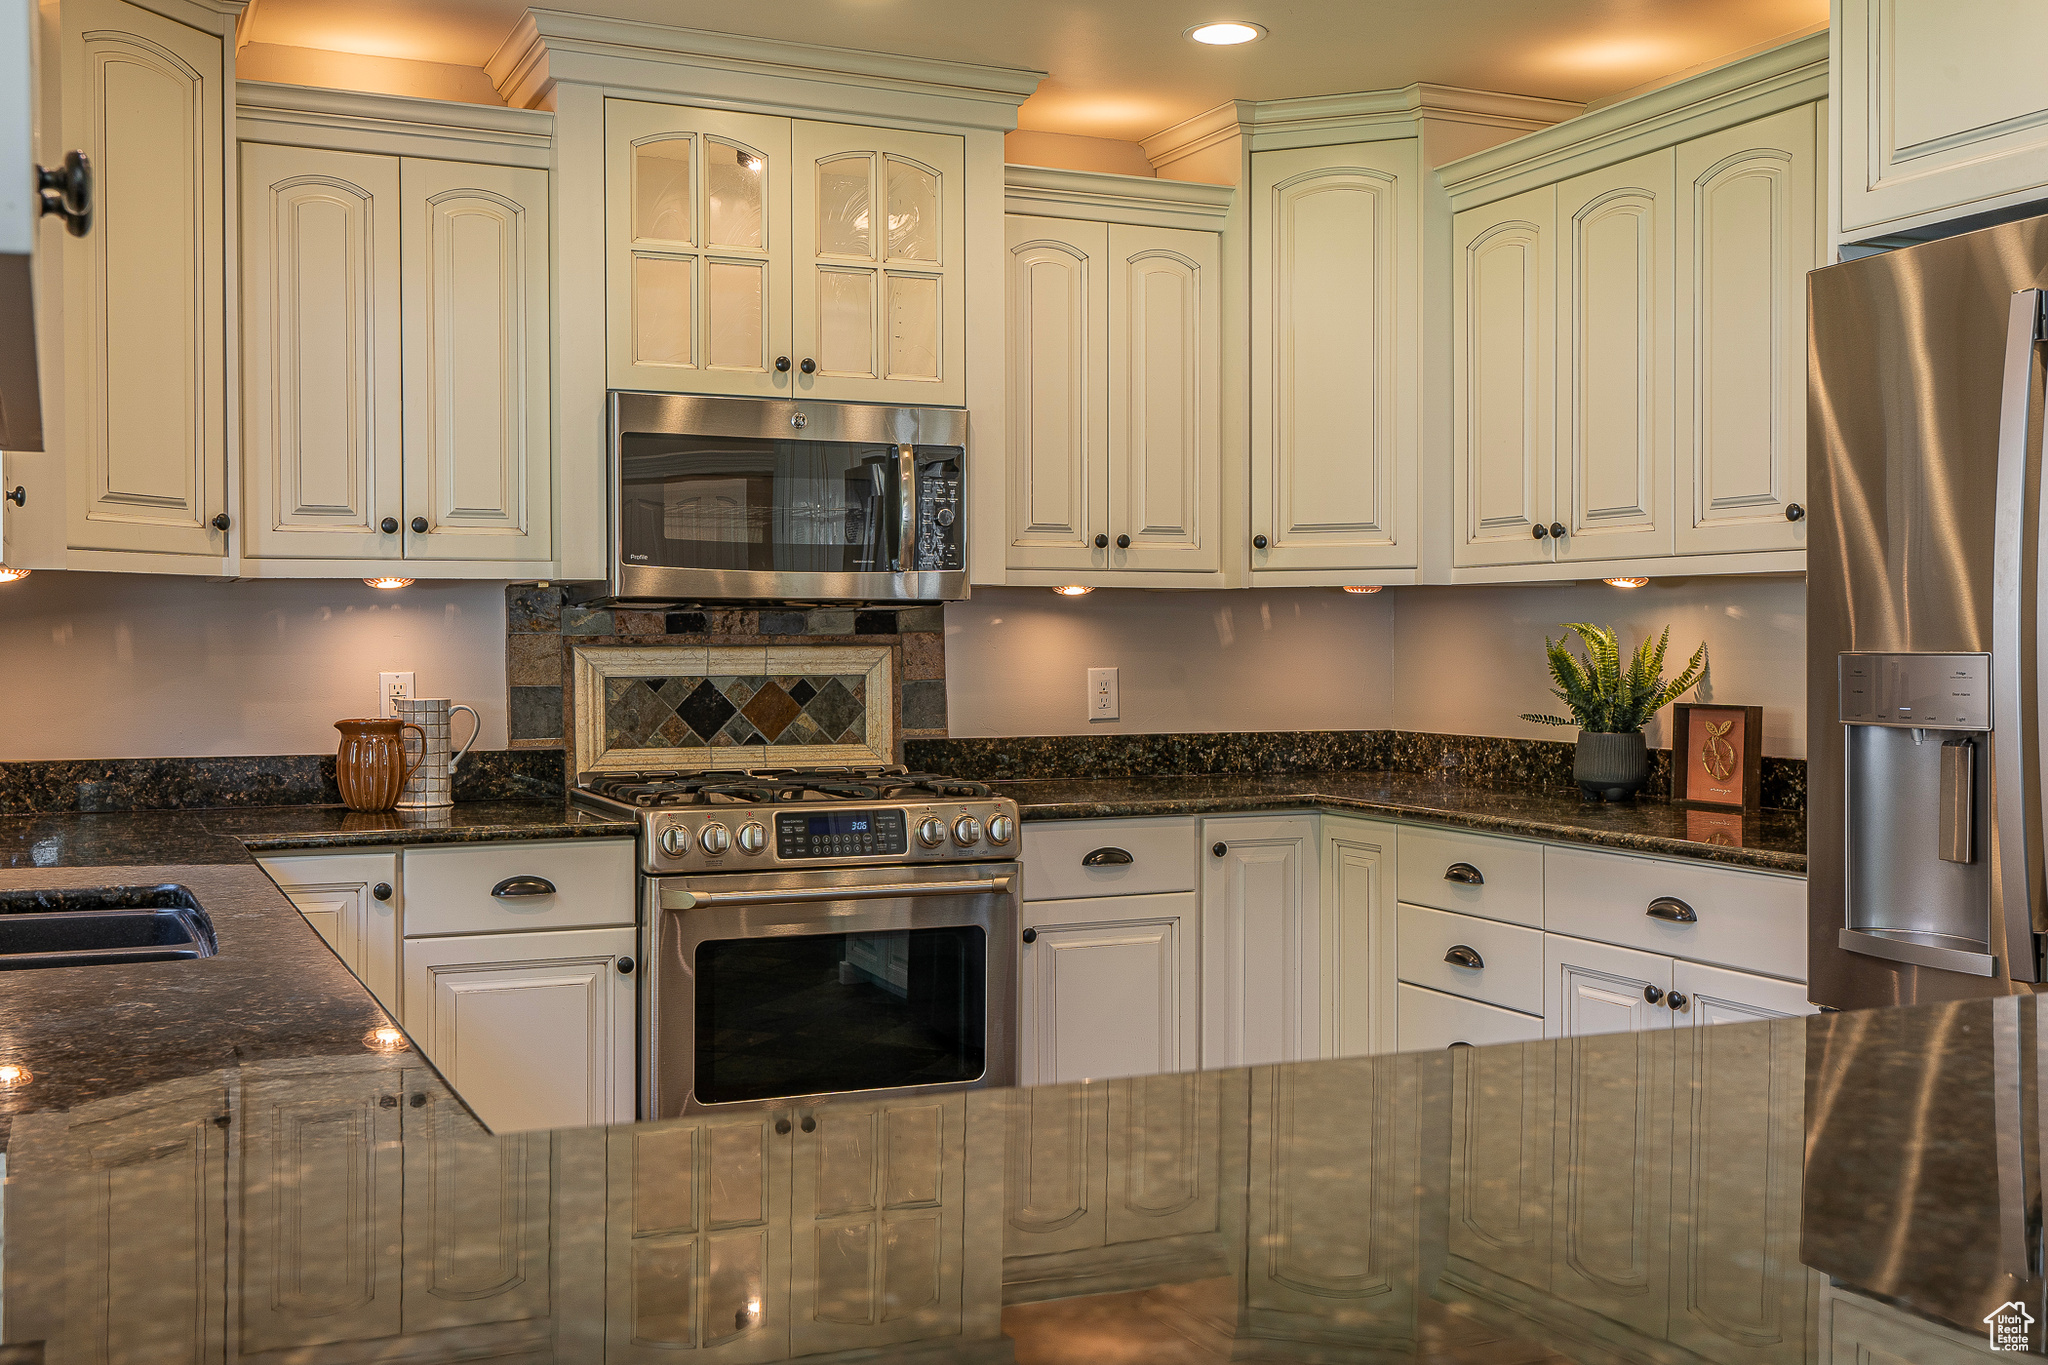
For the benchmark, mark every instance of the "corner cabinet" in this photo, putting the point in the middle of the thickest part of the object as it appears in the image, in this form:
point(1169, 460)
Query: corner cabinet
point(1629, 332)
point(396, 346)
point(783, 258)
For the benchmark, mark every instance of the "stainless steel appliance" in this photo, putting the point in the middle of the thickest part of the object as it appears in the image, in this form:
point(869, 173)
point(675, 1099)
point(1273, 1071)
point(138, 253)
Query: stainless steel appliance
point(816, 931)
point(744, 499)
point(1924, 621)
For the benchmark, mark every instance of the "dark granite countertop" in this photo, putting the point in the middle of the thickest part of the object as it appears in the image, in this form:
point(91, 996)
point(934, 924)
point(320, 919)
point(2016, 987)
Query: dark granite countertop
point(1771, 840)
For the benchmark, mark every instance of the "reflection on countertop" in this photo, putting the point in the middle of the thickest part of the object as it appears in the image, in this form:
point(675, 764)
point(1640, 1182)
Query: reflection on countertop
point(1773, 840)
point(1624, 1197)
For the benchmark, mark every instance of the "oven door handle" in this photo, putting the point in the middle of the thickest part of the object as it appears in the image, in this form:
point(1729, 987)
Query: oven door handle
point(679, 899)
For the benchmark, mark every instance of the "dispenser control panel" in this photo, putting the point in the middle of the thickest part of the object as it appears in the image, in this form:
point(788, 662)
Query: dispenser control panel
point(1922, 691)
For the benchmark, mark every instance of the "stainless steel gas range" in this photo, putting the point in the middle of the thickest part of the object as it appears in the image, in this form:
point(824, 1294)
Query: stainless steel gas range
point(816, 931)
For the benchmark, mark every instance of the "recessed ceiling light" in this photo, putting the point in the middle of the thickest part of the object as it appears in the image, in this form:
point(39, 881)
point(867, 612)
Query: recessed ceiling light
point(1226, 34)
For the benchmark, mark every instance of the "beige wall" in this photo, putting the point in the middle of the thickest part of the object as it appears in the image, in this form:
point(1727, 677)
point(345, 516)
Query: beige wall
point(107, 666)
point(354, 71)
point(1452, 660)
point(1070, 152)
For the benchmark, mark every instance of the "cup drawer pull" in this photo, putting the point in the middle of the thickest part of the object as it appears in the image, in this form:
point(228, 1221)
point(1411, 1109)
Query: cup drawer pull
point(1673, 910)
point(1106, 857)
point(523, 886)
point(1465, 873)
point(1462, 956)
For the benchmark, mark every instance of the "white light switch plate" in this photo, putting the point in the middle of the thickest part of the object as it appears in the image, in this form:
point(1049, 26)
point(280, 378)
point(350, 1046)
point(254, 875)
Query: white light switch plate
point(1102, 694)
point(389, 687)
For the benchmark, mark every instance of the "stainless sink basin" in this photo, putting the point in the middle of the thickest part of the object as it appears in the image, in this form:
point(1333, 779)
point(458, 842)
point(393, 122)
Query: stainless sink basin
point(83, 926)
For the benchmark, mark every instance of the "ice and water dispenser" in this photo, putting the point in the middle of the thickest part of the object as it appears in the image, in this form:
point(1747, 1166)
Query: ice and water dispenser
point(1916, 741)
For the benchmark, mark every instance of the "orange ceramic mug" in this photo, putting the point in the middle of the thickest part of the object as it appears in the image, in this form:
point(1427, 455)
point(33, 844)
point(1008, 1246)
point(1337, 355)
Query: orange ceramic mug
point(371, 767)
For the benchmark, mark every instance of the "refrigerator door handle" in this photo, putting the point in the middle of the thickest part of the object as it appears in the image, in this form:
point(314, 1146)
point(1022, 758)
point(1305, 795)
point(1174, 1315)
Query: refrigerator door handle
point(2013, 672)
point(2015, 1244)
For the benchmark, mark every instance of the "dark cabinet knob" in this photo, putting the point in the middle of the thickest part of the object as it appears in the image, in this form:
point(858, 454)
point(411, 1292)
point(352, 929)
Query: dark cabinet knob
point(419, 526)
point(1652, 994)
point(1677, 1000)
point(1464, 873)
point(1461, 956)
point(1259, 542)
point(810, 1125)
point(1672, 910)
point(387, 1101)
point(1101, 541)
point(1540, 531)
point(67, 192)
point(1794, 512)
point(419, 1101)
point(1219, 849)
point(625, 966)
point(389, 526)
point(809, 366)
point(1557, 530)
point(220, 521)
point(782, 1127)
point(1123, 542)
point(19, 497)
point(382, 891)
point(1105, 857)
point(1031, 936)
point(782, 364)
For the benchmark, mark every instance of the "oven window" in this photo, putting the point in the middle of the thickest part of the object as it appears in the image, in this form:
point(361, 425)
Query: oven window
point(800, 1016)
point(704, 502)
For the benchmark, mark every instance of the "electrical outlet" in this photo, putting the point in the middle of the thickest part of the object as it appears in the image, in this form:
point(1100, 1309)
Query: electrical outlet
point(1102, 694)
point(390, 688)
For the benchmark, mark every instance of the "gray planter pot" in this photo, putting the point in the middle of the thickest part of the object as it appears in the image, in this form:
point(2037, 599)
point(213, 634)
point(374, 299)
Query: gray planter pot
point(1611, 767)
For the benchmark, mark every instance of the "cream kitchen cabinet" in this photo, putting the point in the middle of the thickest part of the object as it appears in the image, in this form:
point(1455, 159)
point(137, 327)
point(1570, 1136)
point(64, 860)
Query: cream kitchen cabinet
point(1628, 331)
point(1336, 267)
point(1592, 988)
point(135, 326)
point(772, 257)
point(1261, 938)
point(353, 901)
point(1115, 389)
point(1939, 116)
point(1356, 936)
point(396, 315)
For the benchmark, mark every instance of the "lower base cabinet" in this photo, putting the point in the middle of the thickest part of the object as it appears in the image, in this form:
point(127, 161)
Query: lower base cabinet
point(534, 1030)
point(1108, 986)
point(1432, 1020)
point(1261, 939)
point(352, 901)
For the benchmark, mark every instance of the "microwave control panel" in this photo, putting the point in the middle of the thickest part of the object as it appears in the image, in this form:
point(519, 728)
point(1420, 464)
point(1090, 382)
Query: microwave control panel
point(939, 513)
point(1923, 691)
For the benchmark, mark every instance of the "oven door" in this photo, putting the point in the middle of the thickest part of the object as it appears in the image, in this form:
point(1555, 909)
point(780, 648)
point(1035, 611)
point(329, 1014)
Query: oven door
point(782, 986)
point(742, 499)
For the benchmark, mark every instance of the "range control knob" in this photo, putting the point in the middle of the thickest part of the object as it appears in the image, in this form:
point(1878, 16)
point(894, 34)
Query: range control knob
point(931, 831)
point(714, 838)
point(966, 830)
point(675, 840)
point(1000, 828)
point(753, 837)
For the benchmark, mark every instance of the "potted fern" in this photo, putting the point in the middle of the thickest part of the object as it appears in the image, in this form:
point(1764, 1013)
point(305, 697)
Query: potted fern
point(1611, 701)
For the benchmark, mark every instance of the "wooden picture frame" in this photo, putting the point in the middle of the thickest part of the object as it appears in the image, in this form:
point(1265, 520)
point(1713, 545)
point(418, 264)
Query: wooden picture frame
point(1717, 756)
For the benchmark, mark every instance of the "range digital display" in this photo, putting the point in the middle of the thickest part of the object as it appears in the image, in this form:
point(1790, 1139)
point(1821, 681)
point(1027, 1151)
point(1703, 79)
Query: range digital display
point(862, 823)
point(839, 834)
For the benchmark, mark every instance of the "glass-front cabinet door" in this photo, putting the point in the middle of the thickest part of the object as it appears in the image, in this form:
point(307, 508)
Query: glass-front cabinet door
point(877, 295)
point(697, 221)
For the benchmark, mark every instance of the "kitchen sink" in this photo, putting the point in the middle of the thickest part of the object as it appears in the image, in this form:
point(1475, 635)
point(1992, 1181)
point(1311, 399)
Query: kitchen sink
point(84, 926)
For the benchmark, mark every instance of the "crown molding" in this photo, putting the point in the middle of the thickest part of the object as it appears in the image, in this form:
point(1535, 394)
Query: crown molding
point(1197, 134)
point(548, 46)
point(1098, 196)
point(1365, 115)
point(354, 121)
point(1792, 74)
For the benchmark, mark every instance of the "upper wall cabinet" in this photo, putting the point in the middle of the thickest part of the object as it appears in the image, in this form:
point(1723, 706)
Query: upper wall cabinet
point(770, 257)
point(142, 385)
point(1334, 340)
point(1629, 332)
point(396, 337)
point(1941, 111)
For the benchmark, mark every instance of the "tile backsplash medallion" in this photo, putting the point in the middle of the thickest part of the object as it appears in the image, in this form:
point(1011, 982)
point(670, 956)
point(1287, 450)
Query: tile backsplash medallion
point(687, 710)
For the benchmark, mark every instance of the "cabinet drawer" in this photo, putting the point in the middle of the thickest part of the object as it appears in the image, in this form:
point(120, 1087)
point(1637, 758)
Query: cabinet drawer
point(1512, 976)
point(448, 889)
point(1162, 858)
point(1749, 920)
point(1511, 888)
point(1427, 1021)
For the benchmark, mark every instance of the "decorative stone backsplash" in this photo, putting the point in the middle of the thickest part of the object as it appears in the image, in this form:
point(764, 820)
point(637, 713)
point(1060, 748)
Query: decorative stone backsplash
point(542, 634)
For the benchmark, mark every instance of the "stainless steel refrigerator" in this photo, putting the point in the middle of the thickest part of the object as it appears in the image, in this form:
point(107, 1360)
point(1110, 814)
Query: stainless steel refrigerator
point(1925, 598)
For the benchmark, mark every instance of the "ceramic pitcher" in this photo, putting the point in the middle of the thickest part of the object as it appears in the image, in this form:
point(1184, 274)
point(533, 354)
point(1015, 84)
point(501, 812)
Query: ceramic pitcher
point(432, 783)
point(371, 767)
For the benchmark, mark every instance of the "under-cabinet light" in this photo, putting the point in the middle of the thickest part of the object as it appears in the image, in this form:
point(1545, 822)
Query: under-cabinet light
point(1362, 587)
point(8, 575)
point(1073, 590)
point(388, 581)
point(1626, 582)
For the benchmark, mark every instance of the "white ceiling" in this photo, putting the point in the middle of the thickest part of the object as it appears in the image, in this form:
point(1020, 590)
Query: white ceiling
point(1120, 68)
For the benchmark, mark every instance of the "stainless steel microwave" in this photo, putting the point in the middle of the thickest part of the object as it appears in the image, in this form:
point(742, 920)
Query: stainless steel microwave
point(750, 499)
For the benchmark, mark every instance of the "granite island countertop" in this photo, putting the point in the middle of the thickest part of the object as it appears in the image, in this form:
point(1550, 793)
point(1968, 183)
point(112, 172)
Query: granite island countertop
point(1771, 840)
